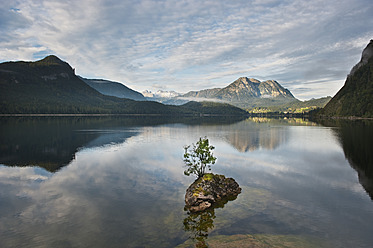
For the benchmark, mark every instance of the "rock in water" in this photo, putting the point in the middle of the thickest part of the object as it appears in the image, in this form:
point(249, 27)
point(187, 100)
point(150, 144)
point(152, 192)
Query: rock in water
point(210, 189)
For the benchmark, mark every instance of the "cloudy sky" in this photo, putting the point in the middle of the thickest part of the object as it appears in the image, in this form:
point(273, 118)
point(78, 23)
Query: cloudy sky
point(307, 46)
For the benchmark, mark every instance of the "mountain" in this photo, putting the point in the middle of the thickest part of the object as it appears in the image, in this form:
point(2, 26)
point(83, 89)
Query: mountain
point(50, 86)
point(208, 93)
point(245, 88)
point(165, 97)
point(111, 88)
point(355, 98)
point(247, 93)
point(160, 94)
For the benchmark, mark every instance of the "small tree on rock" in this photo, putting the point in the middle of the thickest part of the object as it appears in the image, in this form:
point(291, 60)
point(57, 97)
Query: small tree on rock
point(199, 157)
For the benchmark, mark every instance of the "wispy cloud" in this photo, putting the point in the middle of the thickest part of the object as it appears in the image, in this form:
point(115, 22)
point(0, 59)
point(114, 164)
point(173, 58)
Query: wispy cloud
point(185, 45)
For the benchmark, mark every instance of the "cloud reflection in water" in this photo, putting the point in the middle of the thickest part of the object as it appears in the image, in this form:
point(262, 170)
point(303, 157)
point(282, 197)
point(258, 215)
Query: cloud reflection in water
point(127, 187)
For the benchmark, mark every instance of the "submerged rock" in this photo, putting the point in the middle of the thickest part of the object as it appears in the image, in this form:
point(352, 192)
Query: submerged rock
point(208, 190)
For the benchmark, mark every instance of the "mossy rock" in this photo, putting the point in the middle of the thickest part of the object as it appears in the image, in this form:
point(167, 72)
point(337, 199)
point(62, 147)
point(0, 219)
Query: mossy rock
point(209, 190)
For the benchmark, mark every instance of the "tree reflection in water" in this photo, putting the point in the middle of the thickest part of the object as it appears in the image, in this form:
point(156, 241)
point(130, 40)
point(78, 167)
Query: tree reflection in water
point(199, 224)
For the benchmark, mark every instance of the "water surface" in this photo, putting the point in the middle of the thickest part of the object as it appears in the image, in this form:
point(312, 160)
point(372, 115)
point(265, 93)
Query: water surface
point(118, 182)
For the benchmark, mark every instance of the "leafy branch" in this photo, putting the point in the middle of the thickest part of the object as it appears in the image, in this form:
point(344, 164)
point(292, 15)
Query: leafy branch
point(198, 157)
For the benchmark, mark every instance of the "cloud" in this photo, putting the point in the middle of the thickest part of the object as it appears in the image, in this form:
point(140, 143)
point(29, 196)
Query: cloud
point(185, 45)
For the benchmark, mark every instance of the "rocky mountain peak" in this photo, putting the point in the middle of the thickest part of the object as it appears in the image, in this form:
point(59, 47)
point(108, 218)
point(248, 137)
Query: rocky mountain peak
point(244, 87)
point(365, 56)
point(245, 92)
point(367, 52)
point(272, 82)
point(246, 81)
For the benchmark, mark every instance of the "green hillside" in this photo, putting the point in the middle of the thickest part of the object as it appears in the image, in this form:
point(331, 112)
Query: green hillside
point(51, 86)
point(214, 108)
point(355, 98)
point(295, 106)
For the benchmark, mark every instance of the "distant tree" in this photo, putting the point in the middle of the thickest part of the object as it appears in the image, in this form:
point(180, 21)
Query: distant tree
point(198, 157)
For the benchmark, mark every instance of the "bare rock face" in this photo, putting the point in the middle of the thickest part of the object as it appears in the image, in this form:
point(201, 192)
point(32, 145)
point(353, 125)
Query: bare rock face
point(210, 189)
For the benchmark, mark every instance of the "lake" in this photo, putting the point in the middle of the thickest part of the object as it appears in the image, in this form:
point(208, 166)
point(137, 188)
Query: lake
point(119, 182)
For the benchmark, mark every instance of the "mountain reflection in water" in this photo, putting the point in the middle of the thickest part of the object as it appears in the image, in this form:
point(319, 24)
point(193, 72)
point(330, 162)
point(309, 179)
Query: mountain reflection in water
point(51, 142)
point(254, 136)
point(122, 183)
point(356, 138)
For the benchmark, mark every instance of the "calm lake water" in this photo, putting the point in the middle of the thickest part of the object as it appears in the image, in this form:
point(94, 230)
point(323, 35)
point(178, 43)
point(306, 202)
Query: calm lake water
point(118, 182)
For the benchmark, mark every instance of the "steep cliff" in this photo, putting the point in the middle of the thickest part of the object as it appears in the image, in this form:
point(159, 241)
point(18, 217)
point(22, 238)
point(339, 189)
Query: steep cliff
point(355, 98)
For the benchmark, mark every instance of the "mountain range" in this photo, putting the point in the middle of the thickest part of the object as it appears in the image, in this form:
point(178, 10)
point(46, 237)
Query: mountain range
point(246, 93)
point(50, 86)
point(355, 98)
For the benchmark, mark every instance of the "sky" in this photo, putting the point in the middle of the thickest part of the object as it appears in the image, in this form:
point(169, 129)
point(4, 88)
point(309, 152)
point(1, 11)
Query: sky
point(309, 47)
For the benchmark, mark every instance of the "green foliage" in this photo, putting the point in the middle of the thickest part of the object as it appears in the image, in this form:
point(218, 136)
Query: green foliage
point(214, 108)
point(199, 157)
point(355, 98)
point(199, 225)
point(295, 106)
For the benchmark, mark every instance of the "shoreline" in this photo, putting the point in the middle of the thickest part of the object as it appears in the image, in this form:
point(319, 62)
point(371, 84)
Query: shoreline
point(343, 118)
point(106, 115)
point(288, 115)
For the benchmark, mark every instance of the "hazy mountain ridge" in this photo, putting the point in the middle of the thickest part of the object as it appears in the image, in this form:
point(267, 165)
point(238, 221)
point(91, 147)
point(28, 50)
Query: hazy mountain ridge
point(111, 88)
point(355, 98)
